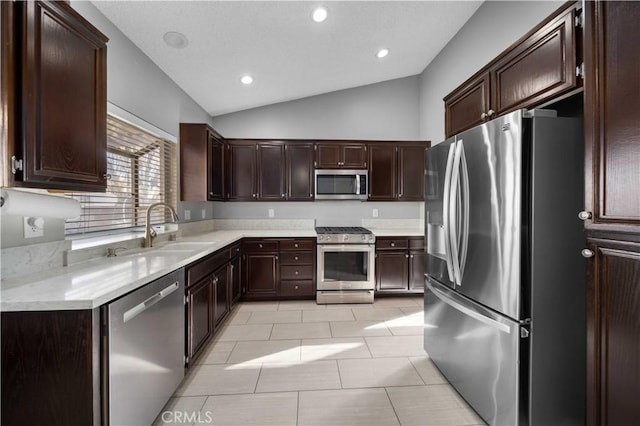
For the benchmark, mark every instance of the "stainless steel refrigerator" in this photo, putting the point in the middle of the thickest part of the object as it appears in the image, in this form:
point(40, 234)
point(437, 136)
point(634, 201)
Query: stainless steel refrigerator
point(505, 284)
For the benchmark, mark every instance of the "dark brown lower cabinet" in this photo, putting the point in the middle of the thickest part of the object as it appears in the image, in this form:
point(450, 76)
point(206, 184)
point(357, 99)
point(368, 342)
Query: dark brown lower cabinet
point(400, 264)
point(50, 368)
point(391, 270)
point(297, 268)
point(235, 283)
point(613, 333)
point(417, 262)
point(260, 269)
point(221, 292)
point(199, 316)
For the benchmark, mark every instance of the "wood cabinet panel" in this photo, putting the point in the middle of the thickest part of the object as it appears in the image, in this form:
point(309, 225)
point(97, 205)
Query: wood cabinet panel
point(296, 272)
point(297, 289)
point(251, 246)
point(242, 171)
point(464, 107)
point(199, 316)
point(216, 168)
point(417, 264)
point(336, 155)
point(234, 278)
point(221, 292)
point(299, 171)
point(411, 167)
point(202, 163)
point(612, 114)
point(300, 244)
point(60, 97)
point(389, 243)
point(260, 272)
point(50, 374)
point(354, 156)
point(391, 270)
point(297, 258)
point(271, 171)
point(540, 68)
point(613, 334)
point(383, 172)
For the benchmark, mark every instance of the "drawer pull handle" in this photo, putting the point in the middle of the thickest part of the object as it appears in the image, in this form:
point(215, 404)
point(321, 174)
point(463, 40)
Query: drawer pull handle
point(296, 287)
point(393, 244)
point(296, 258)
point(260, 245)
point(297, 273)
point(296, 245)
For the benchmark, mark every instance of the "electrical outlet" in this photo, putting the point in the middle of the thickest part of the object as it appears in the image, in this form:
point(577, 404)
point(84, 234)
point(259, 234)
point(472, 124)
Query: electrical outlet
point(33, 227)
point(374, 213)
point(187, 215)
point(271, 213)
point(204, 213)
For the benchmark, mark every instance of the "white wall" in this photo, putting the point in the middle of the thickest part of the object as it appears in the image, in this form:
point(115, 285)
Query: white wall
point(493, 28)
point(382, 111)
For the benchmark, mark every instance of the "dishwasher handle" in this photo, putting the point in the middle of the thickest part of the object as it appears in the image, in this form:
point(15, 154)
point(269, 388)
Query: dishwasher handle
point(141, 307)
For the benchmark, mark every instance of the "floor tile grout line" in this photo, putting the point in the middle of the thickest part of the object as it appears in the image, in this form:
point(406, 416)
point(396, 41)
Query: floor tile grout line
point(255, 388)
point(339, 374)
point(416, 370)
point(298, 408)
point(392, 406)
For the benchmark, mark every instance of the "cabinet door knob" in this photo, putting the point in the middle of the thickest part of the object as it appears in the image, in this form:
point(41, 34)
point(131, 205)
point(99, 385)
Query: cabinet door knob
point(411, 256)
point(587, 253)
point(296, 258)
point(284, 195)
point(584, 215)
point(393, 244)
point(296, 287)
point(490, 113)
point(296, 245)
point(297, 273)
point(483, 116)
point(406, 256)
point(106, 176)
point(260, 245)
point(253, 195)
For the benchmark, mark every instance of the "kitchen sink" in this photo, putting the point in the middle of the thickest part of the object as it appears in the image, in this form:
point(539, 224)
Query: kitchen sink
point(186, 246)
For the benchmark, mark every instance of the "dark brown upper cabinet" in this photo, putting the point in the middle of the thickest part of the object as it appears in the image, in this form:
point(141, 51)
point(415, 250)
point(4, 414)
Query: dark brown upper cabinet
point(242, 171)
point(53, 97)
point(271, 171)
point(612, 210)
point(612, 117)
point(299, 171)
point(202, 163)
point(341, 155)
point(396, 171)
point(537, 68)
point(467, 106)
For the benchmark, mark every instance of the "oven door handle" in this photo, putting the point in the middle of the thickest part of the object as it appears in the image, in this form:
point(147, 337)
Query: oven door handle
point(345, 247)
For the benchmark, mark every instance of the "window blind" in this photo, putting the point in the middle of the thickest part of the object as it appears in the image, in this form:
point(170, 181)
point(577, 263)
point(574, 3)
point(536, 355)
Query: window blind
point(141, 170)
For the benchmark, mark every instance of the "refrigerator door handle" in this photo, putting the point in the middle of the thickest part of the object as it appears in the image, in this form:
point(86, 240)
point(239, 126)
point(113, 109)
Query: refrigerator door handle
point(465, 188)
point(446, 225)
point(453, 214)
point(449, 297)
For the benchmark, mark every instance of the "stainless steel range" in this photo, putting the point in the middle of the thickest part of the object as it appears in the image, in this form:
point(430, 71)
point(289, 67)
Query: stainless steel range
point(346, 259)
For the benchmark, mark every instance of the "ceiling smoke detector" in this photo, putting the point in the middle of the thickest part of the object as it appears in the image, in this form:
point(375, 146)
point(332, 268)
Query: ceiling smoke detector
point(175, 39)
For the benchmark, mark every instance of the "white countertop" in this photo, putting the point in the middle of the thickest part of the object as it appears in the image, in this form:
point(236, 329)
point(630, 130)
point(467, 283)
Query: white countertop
point(93, 283)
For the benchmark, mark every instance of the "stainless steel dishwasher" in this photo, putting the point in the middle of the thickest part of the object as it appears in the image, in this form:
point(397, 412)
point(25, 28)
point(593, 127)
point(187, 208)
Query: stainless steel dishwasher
point(145, 340)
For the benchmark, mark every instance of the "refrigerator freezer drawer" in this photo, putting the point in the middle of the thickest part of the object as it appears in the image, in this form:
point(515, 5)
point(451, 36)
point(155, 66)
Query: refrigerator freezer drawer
point(478, 351)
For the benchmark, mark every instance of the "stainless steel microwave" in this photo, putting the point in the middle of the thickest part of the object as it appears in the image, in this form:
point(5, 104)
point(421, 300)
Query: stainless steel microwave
point(341, 184)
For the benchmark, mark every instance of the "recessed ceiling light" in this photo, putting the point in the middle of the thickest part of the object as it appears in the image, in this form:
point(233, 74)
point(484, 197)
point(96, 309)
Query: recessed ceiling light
point(175, 39)
point(319, 14)
point(382, 53)
point(246, 79)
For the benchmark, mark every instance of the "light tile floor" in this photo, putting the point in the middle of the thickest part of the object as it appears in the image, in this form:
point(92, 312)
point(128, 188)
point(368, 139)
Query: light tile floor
point(299, 363)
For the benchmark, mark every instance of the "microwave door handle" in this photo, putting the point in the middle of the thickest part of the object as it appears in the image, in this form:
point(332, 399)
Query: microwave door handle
point(357, 184)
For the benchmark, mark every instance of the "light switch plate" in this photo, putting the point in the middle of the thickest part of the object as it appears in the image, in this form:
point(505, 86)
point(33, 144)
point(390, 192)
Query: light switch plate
point(374, 213)
point(33, 227)
point(187, 215)
point(204, 213)
point(271, 213)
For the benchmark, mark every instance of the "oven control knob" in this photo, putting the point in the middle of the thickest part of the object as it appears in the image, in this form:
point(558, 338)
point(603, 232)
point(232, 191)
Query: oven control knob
point(346, 237)
point(319, 237)
point(364, 237)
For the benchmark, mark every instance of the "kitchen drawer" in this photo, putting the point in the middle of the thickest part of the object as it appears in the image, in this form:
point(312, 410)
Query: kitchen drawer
point(263, 245)
point(391, 243)
point(416, 243)
point(306, 244)
point(296, 258)
point(297, 288)
point(196, 272)
point(234, 251)
point(296, 272)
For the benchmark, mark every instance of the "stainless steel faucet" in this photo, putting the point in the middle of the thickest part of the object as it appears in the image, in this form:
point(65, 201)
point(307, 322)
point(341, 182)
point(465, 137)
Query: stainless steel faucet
point(149, 232)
